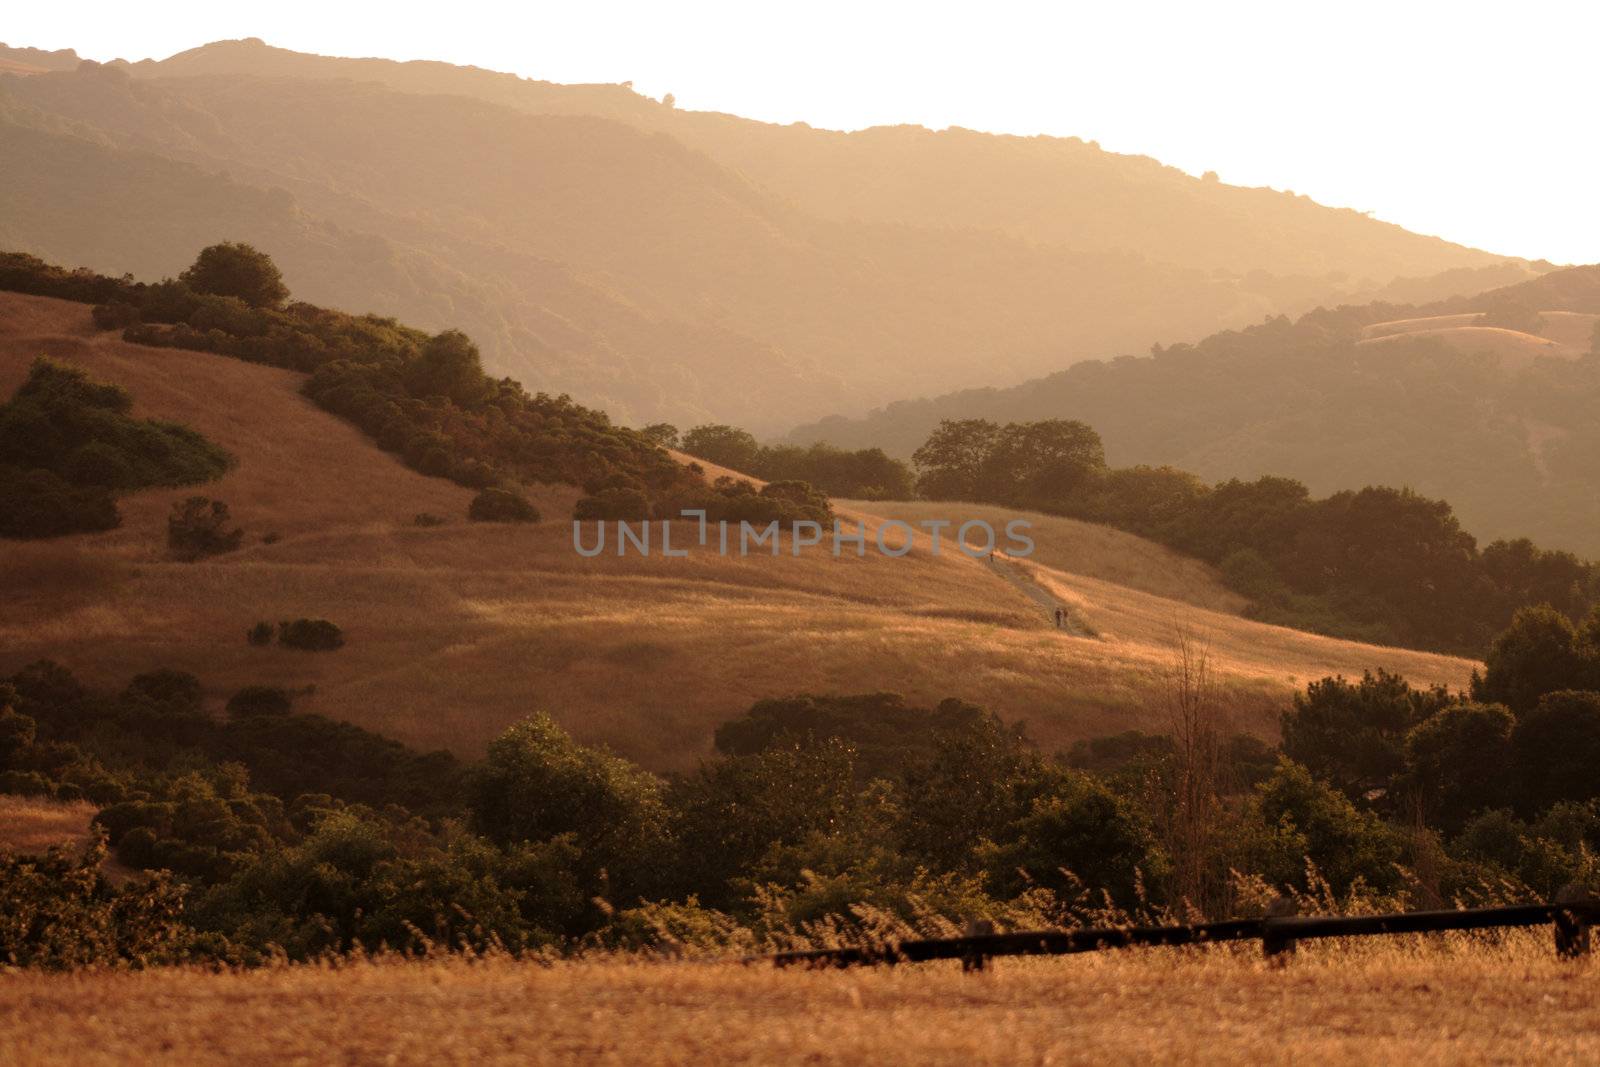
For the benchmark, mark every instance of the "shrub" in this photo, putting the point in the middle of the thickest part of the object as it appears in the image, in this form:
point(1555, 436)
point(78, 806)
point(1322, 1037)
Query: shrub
point(117, 315)
point(1456, 760)
point(67, 443)
point(260, 634)
point(627, 505)
point(259, 700)
point(16, 731)
point(537, 784)
point(426, 519)
point(1352, 734)
point(198, 528)
point(25, 783)
point(237, 270)
point(310, 635)
point(98, 464)
point(40, 504)
point(1556, 748)
point(501, 505)
point(62, 913)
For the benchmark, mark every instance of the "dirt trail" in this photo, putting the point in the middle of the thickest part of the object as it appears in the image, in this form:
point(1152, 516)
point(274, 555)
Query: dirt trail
point(1073, 623)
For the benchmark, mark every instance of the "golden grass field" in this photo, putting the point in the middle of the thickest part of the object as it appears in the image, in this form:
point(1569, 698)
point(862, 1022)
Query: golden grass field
point(457, 631)
point(1566, 335)
point(28, 824)
point(1377, 1002)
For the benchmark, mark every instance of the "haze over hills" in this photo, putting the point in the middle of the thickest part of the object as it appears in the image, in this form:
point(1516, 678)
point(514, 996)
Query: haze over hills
point(1453, 399)
point(666, 264)
point(456, 631)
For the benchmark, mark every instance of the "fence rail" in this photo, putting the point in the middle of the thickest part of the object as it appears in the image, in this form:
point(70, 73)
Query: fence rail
point(1573, 912)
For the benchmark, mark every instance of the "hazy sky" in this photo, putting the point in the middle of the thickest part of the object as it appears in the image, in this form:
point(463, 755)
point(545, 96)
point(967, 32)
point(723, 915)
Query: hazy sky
point(1474, 121)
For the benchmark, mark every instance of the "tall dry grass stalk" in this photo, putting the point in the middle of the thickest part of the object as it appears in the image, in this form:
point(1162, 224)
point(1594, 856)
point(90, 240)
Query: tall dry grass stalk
point(1195, 721)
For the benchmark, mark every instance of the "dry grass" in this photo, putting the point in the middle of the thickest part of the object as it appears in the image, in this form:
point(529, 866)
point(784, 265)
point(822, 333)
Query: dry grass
point(457, 631)
point(1086, 549)
point(1566, 335)
point(1388, 1002)
point(30, 825)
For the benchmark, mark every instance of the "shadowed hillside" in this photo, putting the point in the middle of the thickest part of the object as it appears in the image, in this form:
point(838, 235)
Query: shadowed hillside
point(660, 264)
point(1483, 401)
point(456, 631)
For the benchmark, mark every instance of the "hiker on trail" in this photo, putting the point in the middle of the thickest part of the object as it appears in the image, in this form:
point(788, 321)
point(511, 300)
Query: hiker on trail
point(1060, 618)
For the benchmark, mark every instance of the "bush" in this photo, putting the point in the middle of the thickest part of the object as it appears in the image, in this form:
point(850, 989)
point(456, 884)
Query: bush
point(198, 528)
point(501, 505)
point(261, 634)
point(1556, 748)
point(25, 783)
point(40, 504)
point(1456, 761)
point(237, 270)
point(425, 519)
point(310, 635)
point(627, 505)
point(67, 443)
point(259, 700)
point(537, 784)
point(1352, 734)
point(61, 913)
point(100, 465)
point(117, 315)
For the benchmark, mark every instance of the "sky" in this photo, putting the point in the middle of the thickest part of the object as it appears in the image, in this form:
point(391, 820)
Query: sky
point(1468, 120)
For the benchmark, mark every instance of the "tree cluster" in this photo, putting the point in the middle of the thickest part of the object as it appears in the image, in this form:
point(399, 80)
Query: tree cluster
point(864, 474)
point(68, 445)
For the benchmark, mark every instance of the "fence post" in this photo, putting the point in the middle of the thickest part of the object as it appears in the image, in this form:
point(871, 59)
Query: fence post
point(974, 959)
point(1572, 926)
point(1276, 944)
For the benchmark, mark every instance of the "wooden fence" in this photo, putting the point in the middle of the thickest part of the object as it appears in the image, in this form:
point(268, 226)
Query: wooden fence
point(1571, 914)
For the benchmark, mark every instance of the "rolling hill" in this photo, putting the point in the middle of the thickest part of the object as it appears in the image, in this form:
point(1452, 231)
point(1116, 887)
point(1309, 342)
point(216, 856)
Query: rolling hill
point(1497, 421)
point(458, 630)
point(662, 264)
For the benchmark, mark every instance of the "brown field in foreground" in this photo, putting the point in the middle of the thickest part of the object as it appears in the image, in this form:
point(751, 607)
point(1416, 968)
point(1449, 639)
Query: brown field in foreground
point(456, 631)
point(1390, 1002)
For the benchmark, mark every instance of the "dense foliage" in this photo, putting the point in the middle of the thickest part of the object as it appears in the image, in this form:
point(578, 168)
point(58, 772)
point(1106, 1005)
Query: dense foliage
point(288, 832)
point(1379, 564)
point(68, 446)
point(865, 474)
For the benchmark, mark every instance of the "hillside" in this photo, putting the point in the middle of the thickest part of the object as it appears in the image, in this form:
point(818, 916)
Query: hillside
point(1494, 420)
point(1050, 190)
point(667, 265)
point(458, 630)
point(1562, 335)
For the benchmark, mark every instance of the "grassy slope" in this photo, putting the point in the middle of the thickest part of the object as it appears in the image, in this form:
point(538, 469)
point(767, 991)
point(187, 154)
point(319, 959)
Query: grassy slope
point(456, 631)
point(1381, 1002)
point(31, 824)
point(1566, 335)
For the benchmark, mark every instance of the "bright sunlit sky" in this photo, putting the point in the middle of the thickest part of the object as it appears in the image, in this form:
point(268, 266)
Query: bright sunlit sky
point(1474, 121)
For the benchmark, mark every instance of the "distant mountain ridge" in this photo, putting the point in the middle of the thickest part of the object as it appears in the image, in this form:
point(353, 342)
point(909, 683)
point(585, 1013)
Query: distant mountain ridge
point(663, 264)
